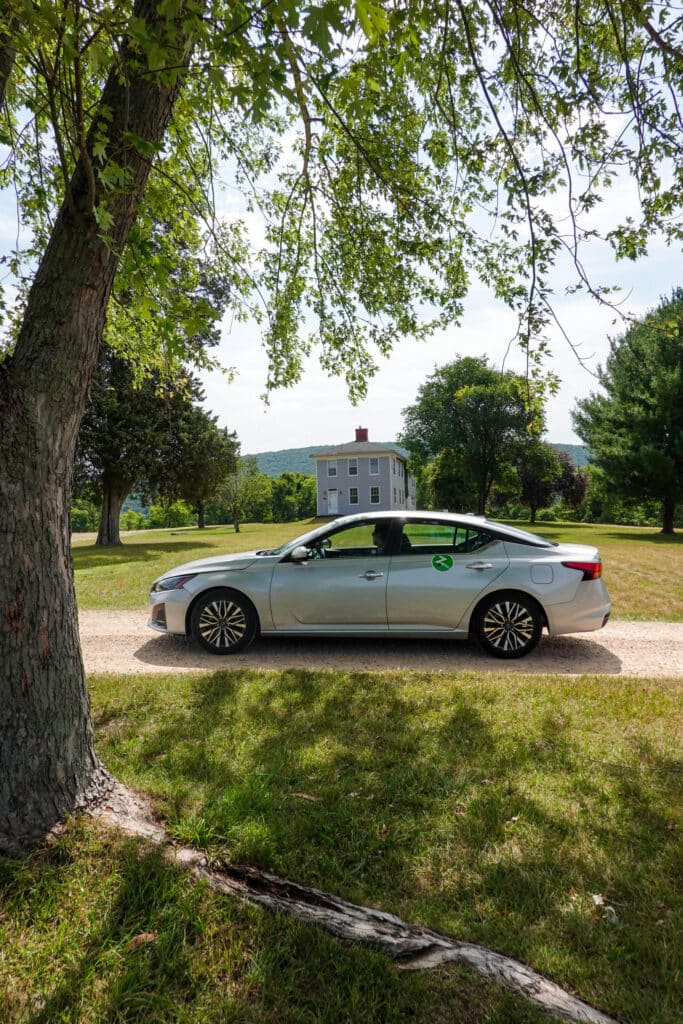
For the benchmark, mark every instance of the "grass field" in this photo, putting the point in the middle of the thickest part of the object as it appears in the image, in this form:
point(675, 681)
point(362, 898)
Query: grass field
point(643, 569)
point(493, 810)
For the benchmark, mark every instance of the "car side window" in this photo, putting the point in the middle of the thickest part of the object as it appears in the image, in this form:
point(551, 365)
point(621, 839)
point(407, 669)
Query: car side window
point(425, 538)
point(350, 541)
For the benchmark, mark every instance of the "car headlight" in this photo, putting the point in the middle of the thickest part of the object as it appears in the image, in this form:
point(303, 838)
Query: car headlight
point(172, 582)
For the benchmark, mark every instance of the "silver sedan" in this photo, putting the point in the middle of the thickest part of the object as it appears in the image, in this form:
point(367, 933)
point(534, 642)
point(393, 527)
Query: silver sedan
point(415, 574)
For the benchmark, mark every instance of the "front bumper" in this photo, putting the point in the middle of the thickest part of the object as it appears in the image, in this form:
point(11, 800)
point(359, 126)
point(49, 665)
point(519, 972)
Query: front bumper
point(167, 611)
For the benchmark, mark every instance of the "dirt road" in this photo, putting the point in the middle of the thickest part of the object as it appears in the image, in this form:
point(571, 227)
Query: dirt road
point(121, 642)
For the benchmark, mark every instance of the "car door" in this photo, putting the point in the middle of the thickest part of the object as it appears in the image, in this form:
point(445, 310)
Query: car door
point(440, 569)
point(342, 586)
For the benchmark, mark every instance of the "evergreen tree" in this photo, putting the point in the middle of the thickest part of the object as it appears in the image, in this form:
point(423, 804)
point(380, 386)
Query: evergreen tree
point(635, 428)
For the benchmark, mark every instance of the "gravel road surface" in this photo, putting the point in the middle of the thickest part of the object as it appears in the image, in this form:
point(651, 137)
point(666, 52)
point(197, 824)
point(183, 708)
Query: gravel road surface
point(121, 642)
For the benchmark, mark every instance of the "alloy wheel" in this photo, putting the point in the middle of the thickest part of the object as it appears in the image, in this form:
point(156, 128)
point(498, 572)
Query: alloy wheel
point(222, 624)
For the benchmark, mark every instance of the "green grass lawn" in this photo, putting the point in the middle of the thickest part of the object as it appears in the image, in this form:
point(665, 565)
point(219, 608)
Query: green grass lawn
point(643, 569)
point(493, 810)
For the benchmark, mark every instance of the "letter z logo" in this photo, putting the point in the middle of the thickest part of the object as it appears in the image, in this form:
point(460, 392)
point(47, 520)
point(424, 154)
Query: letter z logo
point(442, 563)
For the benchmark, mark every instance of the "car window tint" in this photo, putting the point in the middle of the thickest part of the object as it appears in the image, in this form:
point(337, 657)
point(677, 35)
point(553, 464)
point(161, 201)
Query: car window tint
point(428, 535)
point(433, 538)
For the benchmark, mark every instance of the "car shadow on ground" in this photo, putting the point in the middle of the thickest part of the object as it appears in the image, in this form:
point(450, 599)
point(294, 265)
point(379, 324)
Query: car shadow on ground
point(570, 655)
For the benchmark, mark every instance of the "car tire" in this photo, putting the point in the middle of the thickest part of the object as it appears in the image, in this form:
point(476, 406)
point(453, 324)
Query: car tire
point(507, 624)
point(223, 622)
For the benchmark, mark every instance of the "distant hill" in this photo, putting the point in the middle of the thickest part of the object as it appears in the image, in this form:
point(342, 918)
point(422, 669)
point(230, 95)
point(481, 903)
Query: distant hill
point(298, 460)
point(578, 453)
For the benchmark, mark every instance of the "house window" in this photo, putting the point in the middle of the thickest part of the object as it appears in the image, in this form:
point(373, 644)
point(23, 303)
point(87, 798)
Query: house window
point(332, 467)
point(353, 467)
point(374, 495)
point(394, 495)
point(374, 467)
point(353, 495)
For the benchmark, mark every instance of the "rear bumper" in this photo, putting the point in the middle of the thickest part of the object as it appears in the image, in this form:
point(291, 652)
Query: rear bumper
point(590, 610)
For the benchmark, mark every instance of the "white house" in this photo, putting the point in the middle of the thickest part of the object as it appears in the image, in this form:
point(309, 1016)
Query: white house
point(362, 476)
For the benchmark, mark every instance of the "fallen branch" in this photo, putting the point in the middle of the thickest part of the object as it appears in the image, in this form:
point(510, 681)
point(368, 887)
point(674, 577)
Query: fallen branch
point(412, 947)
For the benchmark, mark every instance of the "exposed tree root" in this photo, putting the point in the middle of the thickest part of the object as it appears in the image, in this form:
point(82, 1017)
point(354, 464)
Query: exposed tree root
point(411, 946)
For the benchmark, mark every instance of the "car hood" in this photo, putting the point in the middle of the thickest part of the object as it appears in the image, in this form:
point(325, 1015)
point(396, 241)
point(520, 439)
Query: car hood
point(217, 563)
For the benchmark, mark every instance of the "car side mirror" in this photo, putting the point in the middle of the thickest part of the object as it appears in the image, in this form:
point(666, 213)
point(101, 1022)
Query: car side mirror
point(300, 554)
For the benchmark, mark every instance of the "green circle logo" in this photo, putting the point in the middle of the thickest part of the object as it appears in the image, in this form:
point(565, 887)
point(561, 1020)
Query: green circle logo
point(442, 563)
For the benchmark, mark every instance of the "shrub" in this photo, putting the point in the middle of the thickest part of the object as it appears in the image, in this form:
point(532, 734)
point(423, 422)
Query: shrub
point(132, 520)
point(177, 513)
point(85, 516)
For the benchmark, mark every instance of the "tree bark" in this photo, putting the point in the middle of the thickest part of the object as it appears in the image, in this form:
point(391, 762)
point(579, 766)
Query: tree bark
point(668, 513)
point(7, 49)
point(48, 764)
point(201, 520)
point(113, 497)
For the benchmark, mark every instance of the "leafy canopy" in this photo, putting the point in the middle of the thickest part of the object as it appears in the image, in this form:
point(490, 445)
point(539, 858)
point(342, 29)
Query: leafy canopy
point(472, 421)
point(387, 154)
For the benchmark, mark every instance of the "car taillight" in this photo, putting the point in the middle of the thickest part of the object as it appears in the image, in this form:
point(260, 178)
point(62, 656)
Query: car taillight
point(590, 570)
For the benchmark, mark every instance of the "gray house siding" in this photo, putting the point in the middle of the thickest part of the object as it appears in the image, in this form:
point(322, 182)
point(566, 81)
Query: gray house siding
point(395, 489)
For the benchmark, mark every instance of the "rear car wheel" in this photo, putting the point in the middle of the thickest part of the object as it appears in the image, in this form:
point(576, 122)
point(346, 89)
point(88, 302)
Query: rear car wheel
point(507, 625)
point(223, 622)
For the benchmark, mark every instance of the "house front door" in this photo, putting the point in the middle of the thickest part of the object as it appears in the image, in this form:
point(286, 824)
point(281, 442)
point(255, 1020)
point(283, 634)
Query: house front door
point(333, 501)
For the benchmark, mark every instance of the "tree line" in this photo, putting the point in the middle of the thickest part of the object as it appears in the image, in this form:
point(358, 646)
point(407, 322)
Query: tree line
point(475, 435)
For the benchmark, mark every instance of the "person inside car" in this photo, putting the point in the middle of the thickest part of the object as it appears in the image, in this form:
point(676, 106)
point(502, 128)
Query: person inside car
point(380, 538)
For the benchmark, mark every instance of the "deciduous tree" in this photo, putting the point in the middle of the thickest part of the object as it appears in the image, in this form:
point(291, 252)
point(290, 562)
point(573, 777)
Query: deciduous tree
point(247, 493)
point(128, 437)
point(478, 416)
point(539, 470)
point(294, 497)
point(204, 455)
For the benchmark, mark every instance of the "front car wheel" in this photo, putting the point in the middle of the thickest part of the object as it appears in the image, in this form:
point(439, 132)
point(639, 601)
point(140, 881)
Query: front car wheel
point(223, 622)
point(508, 625)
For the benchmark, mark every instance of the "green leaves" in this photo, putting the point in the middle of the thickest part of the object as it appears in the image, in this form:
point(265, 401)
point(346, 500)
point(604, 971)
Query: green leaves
point(635, 429)
point(471, 421)
point(387, 156)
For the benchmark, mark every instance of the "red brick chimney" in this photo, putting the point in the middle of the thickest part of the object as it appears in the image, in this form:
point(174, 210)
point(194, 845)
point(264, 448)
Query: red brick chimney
point(361, 433)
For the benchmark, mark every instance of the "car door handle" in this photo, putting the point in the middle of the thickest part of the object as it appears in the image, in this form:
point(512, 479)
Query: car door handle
point(371, 574)
point(480, 565)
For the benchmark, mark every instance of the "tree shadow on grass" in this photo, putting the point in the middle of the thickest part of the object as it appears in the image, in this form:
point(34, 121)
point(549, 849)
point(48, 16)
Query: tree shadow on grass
point(656, 537)
point(493, 823)
point(93, 556)
point(150, 946)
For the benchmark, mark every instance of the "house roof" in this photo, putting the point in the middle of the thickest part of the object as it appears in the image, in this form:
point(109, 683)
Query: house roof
point(359, 448)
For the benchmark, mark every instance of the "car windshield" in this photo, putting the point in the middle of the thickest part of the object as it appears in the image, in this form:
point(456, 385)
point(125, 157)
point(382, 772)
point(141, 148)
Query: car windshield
point(304, 539)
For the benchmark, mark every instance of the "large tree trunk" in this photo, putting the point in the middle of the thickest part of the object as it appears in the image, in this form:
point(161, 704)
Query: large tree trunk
point(201, 516)
point(668, 514)
point(113, 496)
point(48, 765)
